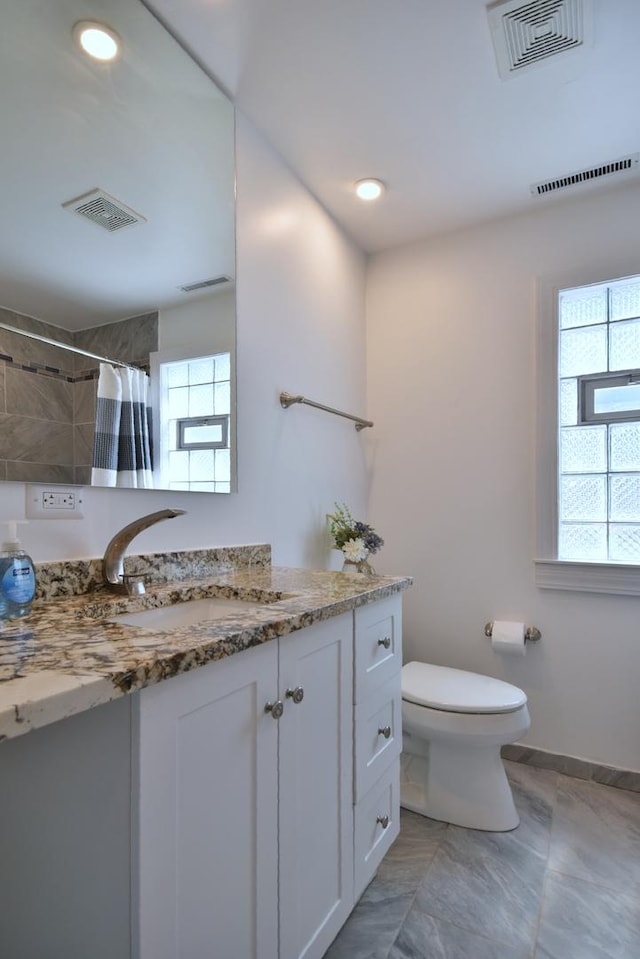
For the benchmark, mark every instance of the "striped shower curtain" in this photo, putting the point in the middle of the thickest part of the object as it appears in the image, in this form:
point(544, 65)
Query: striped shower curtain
point(122, 440)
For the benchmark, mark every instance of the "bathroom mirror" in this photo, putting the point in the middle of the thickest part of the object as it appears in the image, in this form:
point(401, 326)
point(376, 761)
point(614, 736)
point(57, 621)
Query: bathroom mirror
point(118, 244)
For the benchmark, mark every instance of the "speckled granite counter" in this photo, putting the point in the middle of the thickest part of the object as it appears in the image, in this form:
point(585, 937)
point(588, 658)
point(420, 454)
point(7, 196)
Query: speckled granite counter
point(65, 657)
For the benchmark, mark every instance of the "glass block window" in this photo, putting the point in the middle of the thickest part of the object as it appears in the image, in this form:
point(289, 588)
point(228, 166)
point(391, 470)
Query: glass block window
point(599, 422)
point(196, 394)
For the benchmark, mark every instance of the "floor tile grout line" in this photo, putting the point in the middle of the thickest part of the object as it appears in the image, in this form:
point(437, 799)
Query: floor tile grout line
point(400, 927)
point(547, 869)
point(543, 893)
point(487, 855)
point(457, 925)
point(413, 898)
point(554, 803)
point(554, 816)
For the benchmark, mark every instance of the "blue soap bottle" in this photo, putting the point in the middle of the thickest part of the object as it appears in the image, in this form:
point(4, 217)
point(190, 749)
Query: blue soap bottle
point(17, 577)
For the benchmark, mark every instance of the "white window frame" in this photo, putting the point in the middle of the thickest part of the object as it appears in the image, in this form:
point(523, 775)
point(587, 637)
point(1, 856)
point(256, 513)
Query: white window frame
point(188, 422)
point(551, 572)
point(587, 388)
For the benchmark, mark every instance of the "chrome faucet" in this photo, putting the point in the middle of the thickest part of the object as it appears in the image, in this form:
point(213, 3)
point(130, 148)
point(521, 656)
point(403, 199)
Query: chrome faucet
point(113, 561)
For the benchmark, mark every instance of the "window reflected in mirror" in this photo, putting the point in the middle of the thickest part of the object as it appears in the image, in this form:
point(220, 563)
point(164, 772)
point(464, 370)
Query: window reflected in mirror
point(193, 439)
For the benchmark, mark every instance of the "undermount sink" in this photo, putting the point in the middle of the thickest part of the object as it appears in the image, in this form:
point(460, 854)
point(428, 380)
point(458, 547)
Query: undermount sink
point(165, 618)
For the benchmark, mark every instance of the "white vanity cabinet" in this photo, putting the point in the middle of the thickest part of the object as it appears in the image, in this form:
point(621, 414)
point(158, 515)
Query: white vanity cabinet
point(187, 822)
point(243, 815)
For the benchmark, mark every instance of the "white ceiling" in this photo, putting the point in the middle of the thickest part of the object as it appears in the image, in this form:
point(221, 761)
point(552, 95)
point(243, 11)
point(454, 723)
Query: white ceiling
point(408, 91)
point(404, 90)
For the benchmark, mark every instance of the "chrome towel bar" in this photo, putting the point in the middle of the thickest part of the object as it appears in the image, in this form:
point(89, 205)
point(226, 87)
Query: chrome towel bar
point(531, 634)
point(288, 399)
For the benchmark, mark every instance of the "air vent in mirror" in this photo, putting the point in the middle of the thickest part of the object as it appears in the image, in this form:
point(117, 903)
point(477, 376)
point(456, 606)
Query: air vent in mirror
point(203, 284)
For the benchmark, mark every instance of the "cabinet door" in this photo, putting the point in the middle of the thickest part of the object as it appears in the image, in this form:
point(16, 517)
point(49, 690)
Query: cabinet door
point(206, 766)
point(315, 824)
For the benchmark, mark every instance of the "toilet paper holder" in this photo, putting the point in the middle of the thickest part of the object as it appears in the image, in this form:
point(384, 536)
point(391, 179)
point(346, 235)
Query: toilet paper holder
point(531, 634)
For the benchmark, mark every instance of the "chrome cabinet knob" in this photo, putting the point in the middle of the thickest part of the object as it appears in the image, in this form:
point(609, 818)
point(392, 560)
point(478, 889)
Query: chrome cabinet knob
point(383, 820)
point(297, 694)
point(386, 642)
point(276, 709)
point(384, 731)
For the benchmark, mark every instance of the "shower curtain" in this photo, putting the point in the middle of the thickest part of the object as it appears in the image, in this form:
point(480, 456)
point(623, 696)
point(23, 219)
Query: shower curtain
point(122, 440)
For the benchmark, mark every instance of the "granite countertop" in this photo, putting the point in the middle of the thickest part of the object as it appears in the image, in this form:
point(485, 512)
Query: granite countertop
point(65, 657)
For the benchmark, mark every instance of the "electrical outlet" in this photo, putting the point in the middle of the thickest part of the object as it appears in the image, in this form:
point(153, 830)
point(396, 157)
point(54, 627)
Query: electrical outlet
point(55, 502)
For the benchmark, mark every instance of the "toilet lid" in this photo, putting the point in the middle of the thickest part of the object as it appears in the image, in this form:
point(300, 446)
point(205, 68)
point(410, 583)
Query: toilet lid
point(458, 691)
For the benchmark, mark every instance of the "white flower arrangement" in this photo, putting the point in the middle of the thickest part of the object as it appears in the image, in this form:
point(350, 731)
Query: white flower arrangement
point(357, 540)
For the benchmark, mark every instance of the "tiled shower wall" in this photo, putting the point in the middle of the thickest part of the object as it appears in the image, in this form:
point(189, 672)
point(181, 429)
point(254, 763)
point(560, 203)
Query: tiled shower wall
point(47, 394)
point(36, 403)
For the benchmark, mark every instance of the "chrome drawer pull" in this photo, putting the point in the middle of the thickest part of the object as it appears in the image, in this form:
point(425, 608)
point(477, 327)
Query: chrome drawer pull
point(384, 731)
point(276, 709)
point(297, 694)
point(386, 642)
point(383, 820)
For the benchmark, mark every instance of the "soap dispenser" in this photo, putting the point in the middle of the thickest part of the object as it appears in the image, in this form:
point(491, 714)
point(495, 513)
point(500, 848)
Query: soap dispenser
point(17, 577)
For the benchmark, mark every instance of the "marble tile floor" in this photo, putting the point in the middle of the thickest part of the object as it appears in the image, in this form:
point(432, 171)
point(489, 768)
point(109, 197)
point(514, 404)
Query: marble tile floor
point(564, 885)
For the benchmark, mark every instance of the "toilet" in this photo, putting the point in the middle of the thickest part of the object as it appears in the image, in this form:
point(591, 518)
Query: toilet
point(454, 723)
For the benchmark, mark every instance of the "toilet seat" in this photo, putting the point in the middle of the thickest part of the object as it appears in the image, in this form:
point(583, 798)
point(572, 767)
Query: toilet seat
point(458, 691)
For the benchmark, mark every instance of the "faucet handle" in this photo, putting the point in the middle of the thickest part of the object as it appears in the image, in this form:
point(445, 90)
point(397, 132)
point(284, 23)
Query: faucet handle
point(134, 583)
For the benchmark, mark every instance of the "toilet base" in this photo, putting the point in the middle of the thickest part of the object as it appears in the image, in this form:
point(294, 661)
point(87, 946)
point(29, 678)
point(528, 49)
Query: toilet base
point(465, 786)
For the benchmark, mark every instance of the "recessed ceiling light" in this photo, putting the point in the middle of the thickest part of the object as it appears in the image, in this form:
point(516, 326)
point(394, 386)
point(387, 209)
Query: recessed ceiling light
point(97, 39)
point(369, 189)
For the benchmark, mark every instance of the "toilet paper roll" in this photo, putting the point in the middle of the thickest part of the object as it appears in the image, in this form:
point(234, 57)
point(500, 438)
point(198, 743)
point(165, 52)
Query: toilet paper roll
point(508, 638)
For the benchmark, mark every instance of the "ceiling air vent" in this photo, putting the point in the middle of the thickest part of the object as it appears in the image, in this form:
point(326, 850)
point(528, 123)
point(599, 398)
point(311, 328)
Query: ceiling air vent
point(525, 33)
point(203, 284)
point(104, 210)
point(628, 164)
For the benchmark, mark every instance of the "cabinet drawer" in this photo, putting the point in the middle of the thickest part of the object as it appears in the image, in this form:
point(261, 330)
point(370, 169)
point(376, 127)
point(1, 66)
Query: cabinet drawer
point(378, 734)
point(372, 838)
point(378, 645)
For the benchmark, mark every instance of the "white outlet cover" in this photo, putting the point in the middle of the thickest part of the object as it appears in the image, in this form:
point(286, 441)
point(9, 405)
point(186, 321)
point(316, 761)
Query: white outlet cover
point(54, 502)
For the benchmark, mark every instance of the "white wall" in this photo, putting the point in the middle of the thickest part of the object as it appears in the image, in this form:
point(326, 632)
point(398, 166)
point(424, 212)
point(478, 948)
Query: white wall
point(210, 323)
point(451, 367)
point(301, 328)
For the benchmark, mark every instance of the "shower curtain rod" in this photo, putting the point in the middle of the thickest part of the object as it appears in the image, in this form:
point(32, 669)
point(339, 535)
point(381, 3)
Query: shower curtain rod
point(65, 346)
point(288, 399)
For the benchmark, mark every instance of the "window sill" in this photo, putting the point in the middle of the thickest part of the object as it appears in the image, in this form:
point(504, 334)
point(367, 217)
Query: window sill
point(616, 578)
